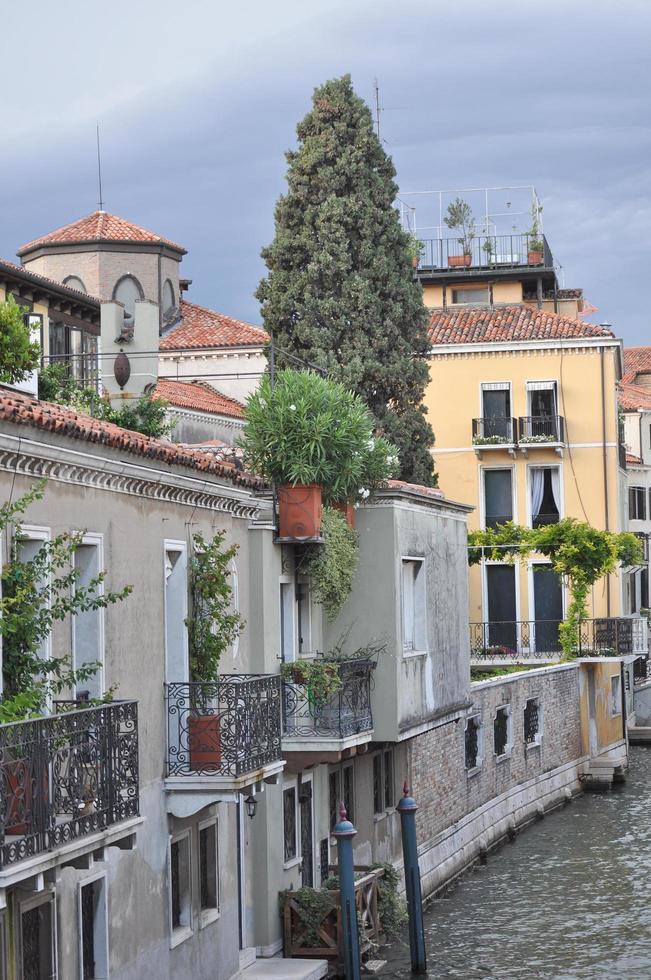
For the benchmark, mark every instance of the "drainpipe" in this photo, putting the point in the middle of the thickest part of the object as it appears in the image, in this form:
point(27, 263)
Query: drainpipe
point(240, 924)
point(602, 352)
point(623, 690)
point(160, 305)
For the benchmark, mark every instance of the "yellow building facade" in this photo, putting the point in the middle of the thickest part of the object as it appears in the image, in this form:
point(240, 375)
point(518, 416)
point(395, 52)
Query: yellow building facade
point(523, 403)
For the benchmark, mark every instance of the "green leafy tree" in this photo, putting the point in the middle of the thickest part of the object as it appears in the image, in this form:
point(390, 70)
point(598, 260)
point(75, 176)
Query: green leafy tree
point(340, 291)
point(213, 625)
point(19, 354)
point(36, 593)
point(579, 553)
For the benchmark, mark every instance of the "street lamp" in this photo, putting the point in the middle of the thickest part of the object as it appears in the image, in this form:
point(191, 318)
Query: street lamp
point(251, 805)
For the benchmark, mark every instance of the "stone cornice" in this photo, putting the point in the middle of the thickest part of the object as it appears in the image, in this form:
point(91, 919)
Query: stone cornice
point(37, 459)
point(226, 421)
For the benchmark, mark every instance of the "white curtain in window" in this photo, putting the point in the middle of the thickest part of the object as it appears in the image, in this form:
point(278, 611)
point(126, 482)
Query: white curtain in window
point(537, 491)
point(556, 489)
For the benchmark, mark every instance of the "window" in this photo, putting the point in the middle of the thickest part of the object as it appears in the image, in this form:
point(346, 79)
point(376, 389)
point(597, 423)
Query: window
point(127, 291)
point(290, 823)
point(334, 796)
point(208, 871)
point(88, 627)
point(544, 495)
point(32, 540)
point(76, 349)
point(37, 939)
point(349, 791)
point(532, 722)
point(616, 695)
point(304, 619)
point(176, 611)
point(496, 423)
point(383, 775)
point(93, 928)
point(498, 497)
point(475, 296)
point(180, 888)
point(287, 635)
point(414, 635)
point(637, 503)
point(502, 732)
point(168, 296)
point(542, 399)
point(74, 282)
point(473, 745)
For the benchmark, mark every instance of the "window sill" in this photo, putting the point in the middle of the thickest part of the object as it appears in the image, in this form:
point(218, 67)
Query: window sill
point(383, 815)
point(474, 771)
point(406, 654)
point(528, 746)
point(288, 865)
point(208, 916)
point(180, 935)
point(505, 755)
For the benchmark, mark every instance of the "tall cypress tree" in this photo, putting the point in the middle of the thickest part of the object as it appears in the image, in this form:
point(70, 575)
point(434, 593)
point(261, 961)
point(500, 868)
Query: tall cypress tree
point(340, 291)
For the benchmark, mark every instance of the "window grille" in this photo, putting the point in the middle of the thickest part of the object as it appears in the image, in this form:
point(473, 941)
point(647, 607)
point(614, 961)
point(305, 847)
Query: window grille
point(472, 743)
point(531, 721)
point(501, 731)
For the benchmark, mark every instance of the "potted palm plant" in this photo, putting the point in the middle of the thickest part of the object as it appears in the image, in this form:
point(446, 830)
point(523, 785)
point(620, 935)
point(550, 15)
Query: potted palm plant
point(459, 217)
point(535, 245)
point(212, 625)
point(314, 439)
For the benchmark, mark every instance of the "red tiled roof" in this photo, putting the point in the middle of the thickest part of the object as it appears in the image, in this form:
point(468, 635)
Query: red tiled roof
point(22, 409)
point(637, 360)
point(36, 277)
point(100, 226)
point(200, 328)
point(199, 396)
point(416, 488)
point(634, 397)
point(633, 460)
point(475, 325)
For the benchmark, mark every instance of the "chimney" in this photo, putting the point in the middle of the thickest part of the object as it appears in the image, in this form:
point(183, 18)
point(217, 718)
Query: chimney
point(130, 350)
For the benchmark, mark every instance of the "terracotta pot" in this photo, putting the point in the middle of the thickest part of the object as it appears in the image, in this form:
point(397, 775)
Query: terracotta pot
point(204, 741)
point(458, 260)
point(299, 512)
point(348, 511)
point(535, 258)
point(415, 260)
point(19, 780)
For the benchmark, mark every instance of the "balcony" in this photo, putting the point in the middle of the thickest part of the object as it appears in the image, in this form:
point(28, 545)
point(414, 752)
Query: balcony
point(68, 781)
point(334, 726)
point(541, 432)
point(223, 735)
point(496, 253)
point(494, 433)
point(502, 644)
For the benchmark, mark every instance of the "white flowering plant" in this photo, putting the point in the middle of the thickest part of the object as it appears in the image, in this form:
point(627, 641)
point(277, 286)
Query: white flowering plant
point(307, 429)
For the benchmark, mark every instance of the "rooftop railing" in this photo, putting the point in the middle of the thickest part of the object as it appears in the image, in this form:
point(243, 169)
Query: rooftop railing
point(485, 252)
point(227, 727)
point(66, 776)
point(523, 640)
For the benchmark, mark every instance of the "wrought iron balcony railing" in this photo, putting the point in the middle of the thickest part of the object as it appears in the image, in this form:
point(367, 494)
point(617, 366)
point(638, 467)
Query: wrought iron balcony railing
point(346, 714)
point(494, 431)
point(66, 776)
point(228, 727)
point(541, 429)
point(641, 670)
point(485, 252)
point(524, 640)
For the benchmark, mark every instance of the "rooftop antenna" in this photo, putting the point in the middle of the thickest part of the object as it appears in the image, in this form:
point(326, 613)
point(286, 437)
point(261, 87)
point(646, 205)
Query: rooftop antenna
point(99, 173)
point(377, 106)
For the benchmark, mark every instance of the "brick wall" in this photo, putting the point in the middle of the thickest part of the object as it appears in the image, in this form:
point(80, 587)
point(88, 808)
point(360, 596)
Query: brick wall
point(446, 793)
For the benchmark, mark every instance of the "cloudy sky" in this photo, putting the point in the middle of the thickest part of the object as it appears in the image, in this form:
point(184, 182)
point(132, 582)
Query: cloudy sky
point(198, 101)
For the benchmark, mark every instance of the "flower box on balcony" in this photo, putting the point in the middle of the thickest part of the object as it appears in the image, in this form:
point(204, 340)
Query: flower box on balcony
point(299, 512)
point(457, 261)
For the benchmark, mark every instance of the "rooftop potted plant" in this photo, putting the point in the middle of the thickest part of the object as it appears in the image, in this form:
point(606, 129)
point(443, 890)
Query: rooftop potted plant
point(459, 217)
point(213, 625)
point(535, 247)
point(414, 247)
point(314, 439)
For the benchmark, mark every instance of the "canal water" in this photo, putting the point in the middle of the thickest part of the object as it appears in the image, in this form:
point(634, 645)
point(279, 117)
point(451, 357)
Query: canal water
point(570, 897)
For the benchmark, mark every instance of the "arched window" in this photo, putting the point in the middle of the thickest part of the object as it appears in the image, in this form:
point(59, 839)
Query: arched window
point(168, 296)
point(127, 291)
point(74, 282)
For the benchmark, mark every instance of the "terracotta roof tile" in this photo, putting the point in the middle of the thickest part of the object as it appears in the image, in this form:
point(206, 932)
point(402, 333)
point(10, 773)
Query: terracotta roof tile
point(200, 327)
point(477, 325)
point(21, 409)
point(634, 397)
point(100, 226)
point(199, 396)
point(36, 277)
point(637, 360)
point(416, 488)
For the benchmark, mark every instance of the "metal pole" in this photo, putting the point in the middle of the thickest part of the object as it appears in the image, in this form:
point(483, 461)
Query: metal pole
point(344, 832)
point(407, 810)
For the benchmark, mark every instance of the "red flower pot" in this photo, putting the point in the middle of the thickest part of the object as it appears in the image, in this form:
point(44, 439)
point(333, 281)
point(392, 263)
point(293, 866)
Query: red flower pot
point(299, 512)
point(348, 511)
point(535, 258)
point(455, 261)
point(204, 741)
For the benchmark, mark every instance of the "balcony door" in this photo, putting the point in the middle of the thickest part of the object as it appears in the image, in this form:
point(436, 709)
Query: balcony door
point(498, 496)
point(501, 606)
point(305, 802)
point(496, 411)
point(548, 608)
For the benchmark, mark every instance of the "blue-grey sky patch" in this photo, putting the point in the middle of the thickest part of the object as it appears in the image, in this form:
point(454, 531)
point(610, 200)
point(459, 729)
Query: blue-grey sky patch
point(198, 102)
